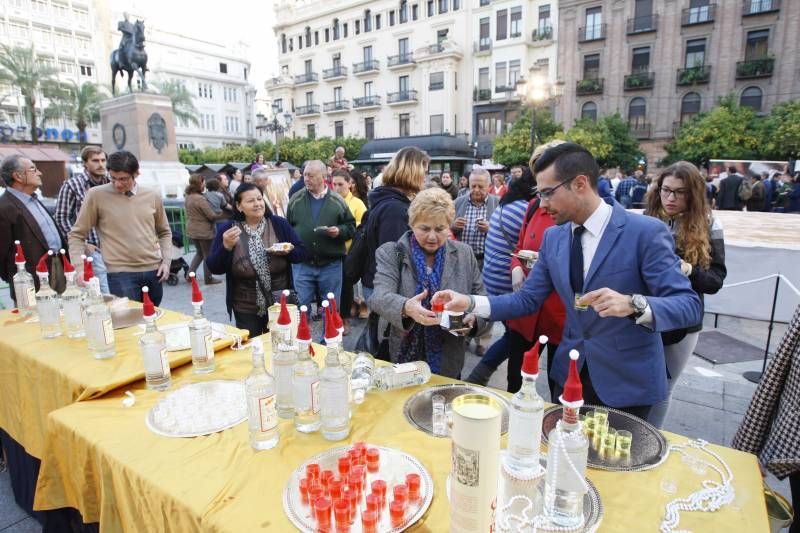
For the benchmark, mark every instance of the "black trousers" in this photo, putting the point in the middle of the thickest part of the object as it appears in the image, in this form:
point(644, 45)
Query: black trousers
point(590, 397)
point(794, 484)
point(253, 323)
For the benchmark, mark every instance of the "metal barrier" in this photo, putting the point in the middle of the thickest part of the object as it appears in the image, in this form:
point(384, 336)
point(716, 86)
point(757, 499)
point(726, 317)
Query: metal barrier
point(176, 215)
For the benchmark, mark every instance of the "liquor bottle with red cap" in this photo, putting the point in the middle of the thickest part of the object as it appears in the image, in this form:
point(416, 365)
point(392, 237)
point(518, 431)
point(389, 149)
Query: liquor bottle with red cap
point(71, 301)
point(525, 420)
point(153, 345)
point(334, 386)
point(24, 288)
point(568, 450)
point(259, 388)
point(305, 381)
point(200, 337)
point(47, 301)
point(284, 356)
point(345, 358)
point(99, 328)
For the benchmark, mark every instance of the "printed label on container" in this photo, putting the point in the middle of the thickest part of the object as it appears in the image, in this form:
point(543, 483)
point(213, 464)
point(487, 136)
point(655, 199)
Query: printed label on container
point(209, 347)
point(108, 331)
point(30, 297)
point(402, 368)
point(315, 397)
point(466, 465)
point(164, 362)
point(268, 413)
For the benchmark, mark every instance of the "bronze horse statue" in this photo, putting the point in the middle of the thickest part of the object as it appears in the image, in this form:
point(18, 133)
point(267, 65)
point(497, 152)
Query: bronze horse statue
point(130, 57)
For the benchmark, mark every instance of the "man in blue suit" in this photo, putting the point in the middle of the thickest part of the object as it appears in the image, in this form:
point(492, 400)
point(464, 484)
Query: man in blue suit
point(619, 279)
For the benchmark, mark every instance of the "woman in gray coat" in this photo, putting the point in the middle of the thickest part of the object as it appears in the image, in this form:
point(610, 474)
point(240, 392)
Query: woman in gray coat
point(409, 271)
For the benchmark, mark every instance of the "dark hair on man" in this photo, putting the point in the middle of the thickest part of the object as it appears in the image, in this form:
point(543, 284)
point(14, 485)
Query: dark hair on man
point(10, 165)
point(521, 188)
point(517, 166)
point(89, 151)
point(731, 170)
point(213, 184)
point(123, 161)
point(342, 173)
point(237, 197)
point(570, 160)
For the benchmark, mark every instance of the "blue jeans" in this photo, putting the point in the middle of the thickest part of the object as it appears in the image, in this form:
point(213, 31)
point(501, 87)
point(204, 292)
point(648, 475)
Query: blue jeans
point(100, 272)
point(129, 285)
point(310, 280)
point(512, 346)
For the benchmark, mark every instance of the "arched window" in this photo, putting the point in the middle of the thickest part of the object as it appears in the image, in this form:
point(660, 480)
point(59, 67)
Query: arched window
point(637, 112)
point(751, 97)
point(690, 106)
point(589, 110)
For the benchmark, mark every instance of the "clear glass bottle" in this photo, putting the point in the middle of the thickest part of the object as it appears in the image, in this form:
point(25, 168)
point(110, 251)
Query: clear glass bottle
point(72, 302)
point(47, 302)
point(334, 389)
point(24, 287)
point(99, 328)
point(305, 381)
point(261, 402)
point(200, 337)
point(567, 455)
point(402, 375)
point(525, 420)
point(284, 356)
point(362, 375)
point(153, 346)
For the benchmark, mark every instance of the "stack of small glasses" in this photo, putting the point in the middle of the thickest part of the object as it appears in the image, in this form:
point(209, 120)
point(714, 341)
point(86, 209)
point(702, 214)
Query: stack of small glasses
point(610, 444)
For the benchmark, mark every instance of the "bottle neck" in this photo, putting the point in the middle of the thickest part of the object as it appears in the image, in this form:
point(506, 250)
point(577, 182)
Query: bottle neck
point(302, 350)
point(70, 279)
point(21, 268)
point(198, 310)
point(258, 361)
point(149, 324)
point(44, 282)
point(569, 418)
point(332, 354)
point(529, 383)
point(283, 333)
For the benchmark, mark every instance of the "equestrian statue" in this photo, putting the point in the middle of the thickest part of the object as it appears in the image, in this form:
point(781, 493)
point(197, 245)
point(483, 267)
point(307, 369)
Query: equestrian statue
point(130, 57)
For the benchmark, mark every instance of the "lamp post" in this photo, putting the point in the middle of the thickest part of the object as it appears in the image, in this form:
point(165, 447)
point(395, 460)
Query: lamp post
point(533, 92)
point(280, 123)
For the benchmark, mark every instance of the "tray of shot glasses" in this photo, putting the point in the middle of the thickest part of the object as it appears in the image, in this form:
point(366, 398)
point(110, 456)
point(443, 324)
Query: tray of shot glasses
point(418, 409)
point(618, 441)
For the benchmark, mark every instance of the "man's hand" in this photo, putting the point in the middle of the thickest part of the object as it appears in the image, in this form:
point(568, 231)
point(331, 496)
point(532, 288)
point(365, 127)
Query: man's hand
point(460, 223)
point(332, 231)
point(517, 278)
point(231, 237)
point(452, 300)
point(90, 249)
point(482, 225)
point(608, 303)
point(163, 271)
point(414, 310)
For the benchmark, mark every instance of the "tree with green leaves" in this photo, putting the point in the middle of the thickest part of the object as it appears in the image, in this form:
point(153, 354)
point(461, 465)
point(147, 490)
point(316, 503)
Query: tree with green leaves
point(780, 132)
point(78, 103)
point(295, 150)
point(34, 78)
point(182, 105)
point(610, 141)
point(514, 147)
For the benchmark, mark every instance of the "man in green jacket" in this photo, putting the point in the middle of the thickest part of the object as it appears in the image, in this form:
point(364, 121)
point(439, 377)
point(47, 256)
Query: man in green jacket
point(324, 223)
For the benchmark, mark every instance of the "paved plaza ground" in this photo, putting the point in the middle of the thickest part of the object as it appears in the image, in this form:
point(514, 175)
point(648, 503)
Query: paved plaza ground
point(709, 400)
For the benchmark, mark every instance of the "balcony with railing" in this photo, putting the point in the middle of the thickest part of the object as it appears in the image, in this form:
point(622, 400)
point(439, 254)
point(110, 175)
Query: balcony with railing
point(698, 15)
point(589, 86)
point(481, 95)
point(401, 60)
point(280, 81)
point(545, 33)
point(644, 24)
point(304, 110)
point(759, 7)
point(694, 75)
point(338, 106)
point(365, 102)
point(596, 32)
point(366, 67)
point(306, 78)
point(446, 48)
point(641, 130)
point(334, 73)
point(639, 81)
point(402, 97)
point(482, 47)
point(755, 68)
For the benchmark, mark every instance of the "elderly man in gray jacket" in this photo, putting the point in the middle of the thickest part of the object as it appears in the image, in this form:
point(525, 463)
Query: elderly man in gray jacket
point(473, 212)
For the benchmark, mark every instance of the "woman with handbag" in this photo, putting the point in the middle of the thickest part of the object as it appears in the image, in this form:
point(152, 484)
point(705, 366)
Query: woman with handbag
point(254, 270)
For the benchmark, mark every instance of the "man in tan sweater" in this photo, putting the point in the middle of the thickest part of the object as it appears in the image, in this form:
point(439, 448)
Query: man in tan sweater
point(132, 225)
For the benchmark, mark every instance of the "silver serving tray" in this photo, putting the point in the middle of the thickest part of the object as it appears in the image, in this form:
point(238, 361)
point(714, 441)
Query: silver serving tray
point(177, 335)
point(199, 409)
point(649, 448)
point(418, 408)
point(131, 316)
point(394, 466)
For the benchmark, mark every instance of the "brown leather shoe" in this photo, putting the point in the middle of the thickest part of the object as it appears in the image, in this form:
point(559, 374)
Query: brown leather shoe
point(363, 311)
point(213, 281)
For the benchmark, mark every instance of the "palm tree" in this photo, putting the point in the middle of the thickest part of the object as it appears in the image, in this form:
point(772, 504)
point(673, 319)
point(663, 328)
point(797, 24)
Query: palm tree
point(182, 105)
point(80, 104)
point(20, 68)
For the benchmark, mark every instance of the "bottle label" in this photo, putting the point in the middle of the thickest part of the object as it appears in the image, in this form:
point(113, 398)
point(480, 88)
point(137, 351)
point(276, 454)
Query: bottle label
point(30, 297)
point(164, 362)
point(315, 397)
point(362, 363)
point(402, 368)
point(209, 347)
point(108, 331)
point(267, 413)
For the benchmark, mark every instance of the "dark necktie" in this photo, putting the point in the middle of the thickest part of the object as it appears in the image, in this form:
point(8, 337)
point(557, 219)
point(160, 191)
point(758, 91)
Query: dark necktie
point(128, 193)
point(576, 260)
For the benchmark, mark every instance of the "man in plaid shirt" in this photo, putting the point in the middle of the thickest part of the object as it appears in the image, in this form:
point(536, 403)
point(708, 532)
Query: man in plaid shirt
point(70, 199)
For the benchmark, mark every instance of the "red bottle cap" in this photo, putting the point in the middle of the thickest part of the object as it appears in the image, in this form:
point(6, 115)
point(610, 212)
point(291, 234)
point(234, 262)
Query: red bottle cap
point(322, 510)
point(344, 465)
point(325, 476)
point(379, 488)
point(530, 363)
point(303, 331)
point(341, 510)
point(437, 307)
point(369, 519)
point(148, 309)
point(197, 296)
point(41, 266)
point(20, 257)
point(312, 470)
point(88, 271)
point(373, 502)
point(573, 389)
point(400, 493)
point(68, 268)
point(413, 483)
point(330, 328)
point(283, 318)
point(337, 318)
point(397, 511)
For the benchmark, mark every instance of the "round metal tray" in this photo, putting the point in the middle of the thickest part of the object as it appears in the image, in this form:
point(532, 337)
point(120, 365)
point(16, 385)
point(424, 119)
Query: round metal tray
point(131, 316)
point(199, 409)
point(394, 466)
point(649, 448)
point(418, 408)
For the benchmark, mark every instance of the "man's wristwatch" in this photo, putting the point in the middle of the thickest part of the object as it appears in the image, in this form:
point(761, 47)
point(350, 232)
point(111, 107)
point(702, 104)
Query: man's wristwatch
point(639, 304)
point(471, 304)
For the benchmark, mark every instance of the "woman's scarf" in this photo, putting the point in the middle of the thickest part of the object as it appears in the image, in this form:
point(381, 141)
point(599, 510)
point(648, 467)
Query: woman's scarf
point(425, 342)
point(259, 258)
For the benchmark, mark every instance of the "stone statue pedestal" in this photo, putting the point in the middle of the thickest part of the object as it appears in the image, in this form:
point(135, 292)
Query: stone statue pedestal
point(143, 124)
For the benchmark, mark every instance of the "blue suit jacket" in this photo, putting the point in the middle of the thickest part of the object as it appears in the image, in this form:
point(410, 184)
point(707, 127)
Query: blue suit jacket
point(635, 256)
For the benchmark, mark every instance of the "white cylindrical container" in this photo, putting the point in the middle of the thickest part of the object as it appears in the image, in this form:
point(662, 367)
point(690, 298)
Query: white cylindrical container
point(475, 463)
point(294, 313)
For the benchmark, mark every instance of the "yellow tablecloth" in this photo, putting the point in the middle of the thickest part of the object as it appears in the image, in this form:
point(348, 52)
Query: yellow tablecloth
point(101, 459)
point(38, 375)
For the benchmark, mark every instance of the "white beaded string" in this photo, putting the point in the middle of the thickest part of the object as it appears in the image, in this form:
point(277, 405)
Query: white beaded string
point(710, 498)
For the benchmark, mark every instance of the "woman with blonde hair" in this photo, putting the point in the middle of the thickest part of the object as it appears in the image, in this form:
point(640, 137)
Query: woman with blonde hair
point(679, 199)
point(409, 271)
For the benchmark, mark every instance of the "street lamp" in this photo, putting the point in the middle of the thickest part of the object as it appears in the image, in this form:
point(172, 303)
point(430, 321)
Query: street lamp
point(278, 124)
point(534, 91)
